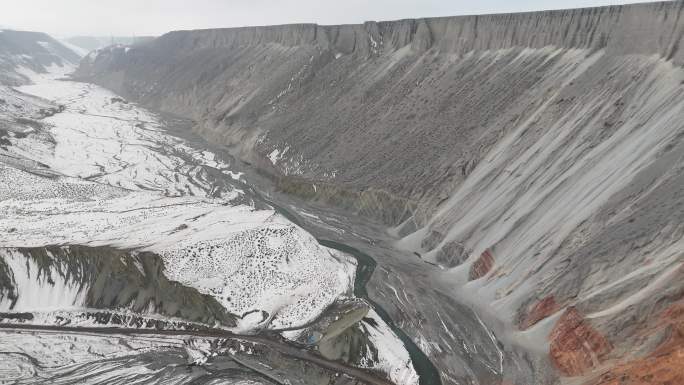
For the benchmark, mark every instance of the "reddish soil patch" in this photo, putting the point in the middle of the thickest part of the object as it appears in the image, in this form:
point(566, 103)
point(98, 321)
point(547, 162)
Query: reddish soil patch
point(576, 347)
point(665, 366)
point(539, 311)
point(482, 266)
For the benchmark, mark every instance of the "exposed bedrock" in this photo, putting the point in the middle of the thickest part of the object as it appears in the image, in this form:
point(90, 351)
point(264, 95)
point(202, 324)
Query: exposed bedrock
point(664, 364)
point(538, 157)
point(575, 346)
point(408, 107)
point(482, 265)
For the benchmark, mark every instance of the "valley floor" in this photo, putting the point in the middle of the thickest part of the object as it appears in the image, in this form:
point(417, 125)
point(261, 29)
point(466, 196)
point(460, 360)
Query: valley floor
point(102, 172)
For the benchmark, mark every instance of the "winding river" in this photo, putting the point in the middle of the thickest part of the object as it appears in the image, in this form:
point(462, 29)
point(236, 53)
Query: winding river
point(426, 370)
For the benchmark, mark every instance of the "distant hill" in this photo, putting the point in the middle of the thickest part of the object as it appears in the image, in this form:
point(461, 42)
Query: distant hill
point(91, 43)
point(32, 50)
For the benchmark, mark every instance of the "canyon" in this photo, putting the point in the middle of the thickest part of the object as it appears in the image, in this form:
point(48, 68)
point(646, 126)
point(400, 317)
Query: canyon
point(491, 199)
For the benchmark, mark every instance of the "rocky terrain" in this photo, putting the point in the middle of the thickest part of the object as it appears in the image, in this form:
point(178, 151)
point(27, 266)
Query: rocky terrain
point(132, 251)
point(517, 177)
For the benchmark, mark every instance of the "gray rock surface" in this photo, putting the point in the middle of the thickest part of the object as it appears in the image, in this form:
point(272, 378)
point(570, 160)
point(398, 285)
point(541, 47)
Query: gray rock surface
point(405, 109)
point(547, 144)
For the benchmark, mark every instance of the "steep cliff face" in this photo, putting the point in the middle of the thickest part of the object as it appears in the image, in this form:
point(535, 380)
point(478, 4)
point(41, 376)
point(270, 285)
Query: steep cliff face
point(335, 103)
point(536, 156)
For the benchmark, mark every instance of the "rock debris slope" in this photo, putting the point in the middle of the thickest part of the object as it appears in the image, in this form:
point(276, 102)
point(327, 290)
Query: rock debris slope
point(537, 157)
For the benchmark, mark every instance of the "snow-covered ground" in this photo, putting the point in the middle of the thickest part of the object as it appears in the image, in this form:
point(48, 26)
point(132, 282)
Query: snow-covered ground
point(122, 181)
point(39, 292)
point(101, 137)
point(392, 357)
point(101, 171)
point(56, 358)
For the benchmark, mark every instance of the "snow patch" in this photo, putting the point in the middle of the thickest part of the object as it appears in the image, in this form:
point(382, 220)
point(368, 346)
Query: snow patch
point(393, 358)
point(36, 290)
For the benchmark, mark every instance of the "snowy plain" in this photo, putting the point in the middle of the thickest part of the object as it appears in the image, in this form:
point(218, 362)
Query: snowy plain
point(101, 171)
point(122, 181)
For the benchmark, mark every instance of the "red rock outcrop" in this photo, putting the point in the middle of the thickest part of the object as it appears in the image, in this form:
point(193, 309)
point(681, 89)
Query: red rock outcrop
point(664, 366)
point(482, 266)
point(576, 347)
point(539, 311)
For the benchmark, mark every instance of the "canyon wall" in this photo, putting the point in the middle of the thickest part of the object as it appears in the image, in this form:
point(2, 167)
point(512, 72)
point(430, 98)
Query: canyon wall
point(335, 104)
point(537, 156)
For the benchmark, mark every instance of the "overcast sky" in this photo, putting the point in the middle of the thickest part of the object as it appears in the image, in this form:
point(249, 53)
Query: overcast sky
point(155, 17)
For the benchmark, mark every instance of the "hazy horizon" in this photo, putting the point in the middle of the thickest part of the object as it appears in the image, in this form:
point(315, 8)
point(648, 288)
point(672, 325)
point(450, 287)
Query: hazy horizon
point(154, 17)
